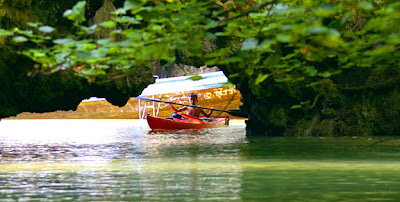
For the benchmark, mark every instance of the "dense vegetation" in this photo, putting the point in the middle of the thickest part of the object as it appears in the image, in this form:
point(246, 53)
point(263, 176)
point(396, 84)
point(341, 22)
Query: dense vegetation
point(301, 55)
point(285, 40)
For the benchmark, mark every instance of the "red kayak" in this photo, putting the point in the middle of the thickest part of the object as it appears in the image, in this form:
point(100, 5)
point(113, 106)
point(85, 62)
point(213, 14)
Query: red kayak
point(186, 122)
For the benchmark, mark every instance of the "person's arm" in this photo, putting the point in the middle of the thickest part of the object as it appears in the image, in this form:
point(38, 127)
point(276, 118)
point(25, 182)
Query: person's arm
point(207, 114)
point(177, 110)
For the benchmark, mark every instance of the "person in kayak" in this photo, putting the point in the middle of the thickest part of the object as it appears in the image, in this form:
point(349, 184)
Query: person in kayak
point(193, 111)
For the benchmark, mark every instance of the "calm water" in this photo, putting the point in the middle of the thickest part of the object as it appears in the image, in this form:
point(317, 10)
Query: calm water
point(102, 160)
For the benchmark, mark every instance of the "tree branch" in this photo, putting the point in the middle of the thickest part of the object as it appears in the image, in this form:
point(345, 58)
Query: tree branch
point(251, 10)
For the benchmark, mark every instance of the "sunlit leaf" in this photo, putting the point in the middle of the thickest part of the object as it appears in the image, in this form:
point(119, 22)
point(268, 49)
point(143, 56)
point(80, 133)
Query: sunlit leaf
point(89, 71)
point(6, 33)
point(109, 24)
point(196, 78)
point(296, 107)
point(250, 43)
point(285, 38)
point(132, 5)
point(62, 41)
point(104, 42)
point(332, 41)
point(325, 74)
point(28, 33)
point(126, 19)
point(382, 50)
point(46, 29)
point(260, 78)
point(229, 85)
point(90, 30)
point(77, 13)
point(317, 30)
point(365, 5)
point(67, 13)
point(20, 39)
point(119, 11)
point(61, 57)
point(234, 75)
point(33, 24)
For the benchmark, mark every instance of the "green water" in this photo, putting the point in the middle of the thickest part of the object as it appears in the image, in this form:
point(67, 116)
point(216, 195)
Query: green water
point(122, 160)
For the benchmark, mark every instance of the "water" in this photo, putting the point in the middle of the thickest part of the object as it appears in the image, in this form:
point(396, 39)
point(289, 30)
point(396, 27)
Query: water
point(121, 160)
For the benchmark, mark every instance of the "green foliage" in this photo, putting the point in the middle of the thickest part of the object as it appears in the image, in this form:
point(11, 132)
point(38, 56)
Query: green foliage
point(280, 40)
point(77, 13)
point(5, 33)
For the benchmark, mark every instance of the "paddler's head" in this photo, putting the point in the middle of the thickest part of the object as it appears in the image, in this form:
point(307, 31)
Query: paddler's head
point(193, 98)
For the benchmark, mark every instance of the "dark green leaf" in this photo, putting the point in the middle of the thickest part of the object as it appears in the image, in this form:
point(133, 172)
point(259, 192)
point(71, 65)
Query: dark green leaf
point(211, 36)
point(272, 60)
point(310, 70)
point(305, 102)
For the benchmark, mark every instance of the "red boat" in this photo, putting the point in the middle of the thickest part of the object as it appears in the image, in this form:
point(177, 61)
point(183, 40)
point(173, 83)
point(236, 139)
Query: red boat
point(186, 122)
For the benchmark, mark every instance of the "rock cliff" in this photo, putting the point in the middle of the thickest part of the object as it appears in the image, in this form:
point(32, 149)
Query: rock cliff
point(362, 101)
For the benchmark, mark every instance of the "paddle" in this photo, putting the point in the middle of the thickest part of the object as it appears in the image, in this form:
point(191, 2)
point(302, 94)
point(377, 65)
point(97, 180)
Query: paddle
point(231, 112)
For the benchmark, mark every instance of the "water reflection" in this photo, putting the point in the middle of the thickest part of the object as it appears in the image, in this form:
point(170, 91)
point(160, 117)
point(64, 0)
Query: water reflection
point(176, 132)
point(62, 140)
point(105, 160)
point(149, 185)
point(116, 160)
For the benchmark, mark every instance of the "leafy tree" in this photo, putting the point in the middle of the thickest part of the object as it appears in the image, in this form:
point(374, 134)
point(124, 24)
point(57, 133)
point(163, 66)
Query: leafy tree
point(284, 41)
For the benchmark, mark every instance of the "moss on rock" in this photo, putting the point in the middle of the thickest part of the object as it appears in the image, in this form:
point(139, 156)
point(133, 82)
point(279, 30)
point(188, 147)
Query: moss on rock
point(354, 103)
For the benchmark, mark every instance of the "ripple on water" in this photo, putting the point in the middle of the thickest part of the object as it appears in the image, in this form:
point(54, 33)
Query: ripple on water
point(100, 160)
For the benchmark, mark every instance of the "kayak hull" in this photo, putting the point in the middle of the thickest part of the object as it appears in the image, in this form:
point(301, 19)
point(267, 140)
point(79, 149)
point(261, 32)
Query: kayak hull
point(186, 122)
